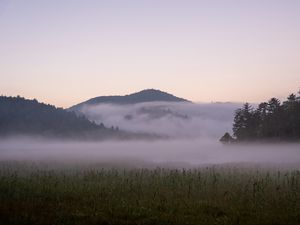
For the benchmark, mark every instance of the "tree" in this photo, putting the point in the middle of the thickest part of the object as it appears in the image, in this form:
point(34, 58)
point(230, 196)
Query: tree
point(292, 116)
point(271, 120)
point(262, 118)
point(273, 106)
point(227, 138)
point(244, 123)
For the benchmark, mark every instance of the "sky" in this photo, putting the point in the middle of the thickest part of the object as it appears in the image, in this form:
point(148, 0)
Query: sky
point(63, 52)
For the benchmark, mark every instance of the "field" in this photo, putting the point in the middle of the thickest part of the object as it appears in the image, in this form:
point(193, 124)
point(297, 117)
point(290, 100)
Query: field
point(41, 193)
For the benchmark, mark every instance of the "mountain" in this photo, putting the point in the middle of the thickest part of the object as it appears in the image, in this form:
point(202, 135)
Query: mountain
point(24, 117)
point(148, 95)
point(20, 116)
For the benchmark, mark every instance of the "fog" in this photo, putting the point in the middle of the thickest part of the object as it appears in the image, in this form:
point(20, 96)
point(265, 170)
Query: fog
point(176, 120)
point(183, 153)
point(194, 130)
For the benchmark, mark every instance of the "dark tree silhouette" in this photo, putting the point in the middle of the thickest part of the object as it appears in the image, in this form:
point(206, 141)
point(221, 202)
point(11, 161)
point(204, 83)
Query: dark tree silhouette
point(271, 120)
point(23, 116)
point(245, 122)
point(227, 138)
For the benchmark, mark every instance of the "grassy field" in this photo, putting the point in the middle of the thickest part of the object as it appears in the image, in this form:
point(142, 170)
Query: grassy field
point(37, 193)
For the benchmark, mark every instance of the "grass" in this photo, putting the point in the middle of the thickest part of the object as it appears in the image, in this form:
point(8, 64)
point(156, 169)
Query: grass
point(32, 193)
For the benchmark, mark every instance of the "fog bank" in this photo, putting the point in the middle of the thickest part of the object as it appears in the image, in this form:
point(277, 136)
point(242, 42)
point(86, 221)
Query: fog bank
point(176, 120)
point(183, 152)
point(195, 128)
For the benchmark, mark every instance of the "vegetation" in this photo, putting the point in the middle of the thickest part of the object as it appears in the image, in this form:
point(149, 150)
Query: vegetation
point(32, 193)
point(226, 138)
point(19, 116)
point(271, 120)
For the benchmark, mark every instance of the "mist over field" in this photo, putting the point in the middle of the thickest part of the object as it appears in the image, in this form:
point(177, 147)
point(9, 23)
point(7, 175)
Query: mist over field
point(176, 120)
point(183, 153)
point(194, 131)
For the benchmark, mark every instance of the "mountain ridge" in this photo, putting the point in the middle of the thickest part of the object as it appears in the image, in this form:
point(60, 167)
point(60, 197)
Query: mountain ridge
point(147, 95)
point(20, 117)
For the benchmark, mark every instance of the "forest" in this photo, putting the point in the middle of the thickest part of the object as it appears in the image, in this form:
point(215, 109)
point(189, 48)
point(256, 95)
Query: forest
point(20, 116)
point(271, 121)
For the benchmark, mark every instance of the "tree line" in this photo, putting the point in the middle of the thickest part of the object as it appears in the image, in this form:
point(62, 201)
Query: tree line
point(272, 120)
point(22, 116)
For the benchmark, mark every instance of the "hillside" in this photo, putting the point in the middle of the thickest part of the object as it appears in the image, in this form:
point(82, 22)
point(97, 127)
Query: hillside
point(149, 95)
point(19, 116)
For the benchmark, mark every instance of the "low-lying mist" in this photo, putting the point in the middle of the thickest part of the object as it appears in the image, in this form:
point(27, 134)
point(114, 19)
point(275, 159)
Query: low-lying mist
point(194, 130)
point(178, 153)
point(176, 120)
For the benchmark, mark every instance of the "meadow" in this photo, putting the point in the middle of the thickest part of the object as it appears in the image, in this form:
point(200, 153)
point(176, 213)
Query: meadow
point(50, 193)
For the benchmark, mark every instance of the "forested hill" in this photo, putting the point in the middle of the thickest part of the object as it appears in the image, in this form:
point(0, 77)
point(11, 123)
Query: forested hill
point(148, 95)
point(272, 120)
point(19, 116)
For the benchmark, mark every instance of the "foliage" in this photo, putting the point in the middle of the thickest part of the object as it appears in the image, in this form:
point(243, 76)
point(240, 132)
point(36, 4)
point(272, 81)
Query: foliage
point(271, 120)
point(29, 117)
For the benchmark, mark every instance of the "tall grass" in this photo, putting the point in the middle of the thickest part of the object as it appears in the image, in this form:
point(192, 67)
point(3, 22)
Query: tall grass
point(32, 193)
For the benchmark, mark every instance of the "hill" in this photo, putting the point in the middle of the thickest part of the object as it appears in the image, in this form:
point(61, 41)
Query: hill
point(148, 95)
point(20, 116)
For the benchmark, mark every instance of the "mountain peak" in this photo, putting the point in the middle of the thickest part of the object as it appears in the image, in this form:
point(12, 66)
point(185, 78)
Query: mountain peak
point(151, 95)
point(147, 95)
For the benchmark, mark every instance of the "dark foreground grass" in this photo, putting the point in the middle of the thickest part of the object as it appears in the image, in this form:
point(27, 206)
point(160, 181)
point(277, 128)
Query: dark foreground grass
point(33, 194)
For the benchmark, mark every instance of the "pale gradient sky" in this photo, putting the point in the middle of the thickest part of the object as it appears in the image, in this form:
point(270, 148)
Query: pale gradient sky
point(63, 52)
